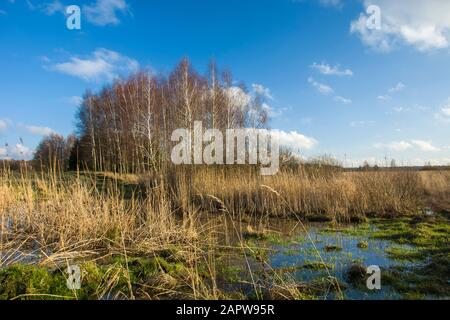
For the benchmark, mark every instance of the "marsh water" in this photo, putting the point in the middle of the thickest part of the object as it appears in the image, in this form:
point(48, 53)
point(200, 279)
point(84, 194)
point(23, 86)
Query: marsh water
point(252, 253)
point(308, 253)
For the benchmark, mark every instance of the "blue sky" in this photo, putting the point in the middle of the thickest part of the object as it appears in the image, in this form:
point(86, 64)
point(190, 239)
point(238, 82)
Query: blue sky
point(334, 86)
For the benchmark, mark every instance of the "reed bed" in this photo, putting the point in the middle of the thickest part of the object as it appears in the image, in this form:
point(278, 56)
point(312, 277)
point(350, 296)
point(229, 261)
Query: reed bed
point(330, 194)
point(76, 216)
point(55, 218)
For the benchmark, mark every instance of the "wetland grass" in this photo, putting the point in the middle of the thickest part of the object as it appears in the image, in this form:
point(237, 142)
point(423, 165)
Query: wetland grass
point(143, 237)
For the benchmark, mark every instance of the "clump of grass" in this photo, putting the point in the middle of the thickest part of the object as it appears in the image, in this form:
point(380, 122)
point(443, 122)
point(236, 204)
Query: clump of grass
point(363, 244)
point(251, 233)
point(356, 274)
point(332, 248)
point(317, 265)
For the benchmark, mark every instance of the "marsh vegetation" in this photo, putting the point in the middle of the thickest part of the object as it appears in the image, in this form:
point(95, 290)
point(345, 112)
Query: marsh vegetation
point(211, 233)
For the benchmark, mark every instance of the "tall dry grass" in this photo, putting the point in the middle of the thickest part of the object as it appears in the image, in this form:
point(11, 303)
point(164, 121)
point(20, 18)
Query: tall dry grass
point(51, 218)
point(437, 189)
point(314, 192)
point(56, 217)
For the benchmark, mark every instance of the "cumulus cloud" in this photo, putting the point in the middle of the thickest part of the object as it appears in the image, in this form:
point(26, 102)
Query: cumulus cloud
point(343, 100)
point(397, 88)
point(103, 64)
point(395, 146)
point(238, 97)
point(444, 112)
point(293, 139)
point(326, 69)
point(320, 87)
point(100, 12)
point(406, 145)
point(3, 125)
point(50, 8)
point(423, 25)
point(263, 91)
point(17, 152)
point(425, 145)
point(74, 100)
point(105, 12)
point(39, 131)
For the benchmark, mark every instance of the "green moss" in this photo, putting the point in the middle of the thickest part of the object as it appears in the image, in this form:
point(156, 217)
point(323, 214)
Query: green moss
point(403, 253)
point(278, 239)
point(428, 238)
point(416, 283)
point(31, 282)
point(317, 265)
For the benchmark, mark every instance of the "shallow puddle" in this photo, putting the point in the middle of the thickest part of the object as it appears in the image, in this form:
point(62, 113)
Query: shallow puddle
point(312, 252)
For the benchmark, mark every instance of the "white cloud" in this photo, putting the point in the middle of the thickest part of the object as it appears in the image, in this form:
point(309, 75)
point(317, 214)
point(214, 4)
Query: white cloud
point(293, 139)
point(53, 7)
point(326, 69)
point(423, 25)
point(17, 152)
point(342, 100)
point(395, 146)
point(238, 97)
point(104, 12)
point(405, 145)
point(400, 109)
point(425, 145)
point(322, 88)
point(103, 64)
point(263, 91)
point(39, 131)
point(3, 125)
point(444, 112)
point(397, 88)
point(74, 100)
